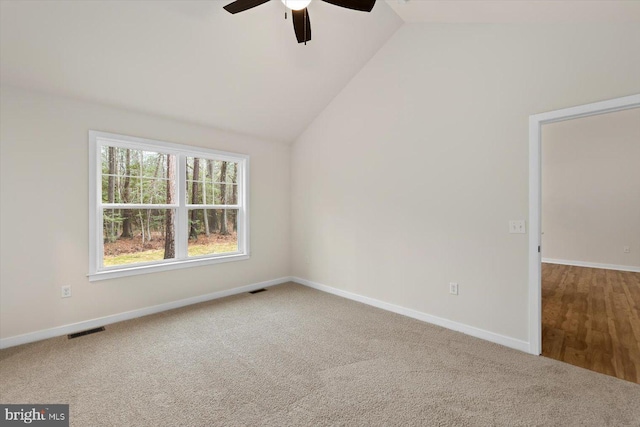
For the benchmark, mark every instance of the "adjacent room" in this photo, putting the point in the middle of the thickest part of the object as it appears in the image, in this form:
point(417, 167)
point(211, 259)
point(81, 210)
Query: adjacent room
point(590, 229)
point(320, 212)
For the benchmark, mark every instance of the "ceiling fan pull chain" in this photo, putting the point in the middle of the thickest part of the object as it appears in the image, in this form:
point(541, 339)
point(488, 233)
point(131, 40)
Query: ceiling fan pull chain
point(305, 26)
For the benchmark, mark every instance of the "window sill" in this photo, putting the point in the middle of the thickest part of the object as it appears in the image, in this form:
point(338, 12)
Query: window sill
point(175, 265)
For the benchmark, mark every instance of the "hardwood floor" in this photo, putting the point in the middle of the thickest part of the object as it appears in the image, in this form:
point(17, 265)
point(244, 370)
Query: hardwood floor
point(591, 319)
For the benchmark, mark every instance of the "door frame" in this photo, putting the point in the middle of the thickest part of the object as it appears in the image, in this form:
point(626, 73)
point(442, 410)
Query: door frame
point(535, 202)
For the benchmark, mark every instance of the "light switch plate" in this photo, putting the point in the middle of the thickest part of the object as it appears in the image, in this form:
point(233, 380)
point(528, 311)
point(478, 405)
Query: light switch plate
point(453, 288)
point(517, 226)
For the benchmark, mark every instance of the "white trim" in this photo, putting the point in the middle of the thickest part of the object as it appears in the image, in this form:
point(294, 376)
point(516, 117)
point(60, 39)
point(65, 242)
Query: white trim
point(164, 265)
point(631, 268)
point(244, 243)
point(137, 206)
point(126, 141)
point(424, 317)
point(97, 271)
point(107, 320)
point(535, 143)
point(208, 207)
point(181, 217)
point(95, 212)
point(535, 239)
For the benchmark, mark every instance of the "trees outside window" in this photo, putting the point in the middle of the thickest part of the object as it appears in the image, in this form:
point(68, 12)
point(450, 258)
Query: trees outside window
point(158, 205)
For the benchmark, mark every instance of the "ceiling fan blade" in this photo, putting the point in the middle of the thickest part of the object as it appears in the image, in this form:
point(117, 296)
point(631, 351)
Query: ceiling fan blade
point(242, 5)
point(301, 25)
point(362, 5)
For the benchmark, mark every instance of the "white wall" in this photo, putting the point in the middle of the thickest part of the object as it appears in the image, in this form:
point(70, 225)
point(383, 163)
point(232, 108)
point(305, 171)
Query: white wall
point(44, 219)
point(591, 189)
point(408, 179)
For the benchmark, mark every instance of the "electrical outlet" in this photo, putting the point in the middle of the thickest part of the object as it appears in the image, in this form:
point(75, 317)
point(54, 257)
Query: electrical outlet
point(626, 249)
point(66, 291)
point(517, 227)
point(453, 288)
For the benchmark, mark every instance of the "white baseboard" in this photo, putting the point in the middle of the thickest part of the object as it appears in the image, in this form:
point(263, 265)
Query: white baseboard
point(630, 268)
point(445, 323)
point(107, 320)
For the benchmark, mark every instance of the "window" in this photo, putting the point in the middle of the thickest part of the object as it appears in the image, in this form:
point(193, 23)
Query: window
point(157, 206)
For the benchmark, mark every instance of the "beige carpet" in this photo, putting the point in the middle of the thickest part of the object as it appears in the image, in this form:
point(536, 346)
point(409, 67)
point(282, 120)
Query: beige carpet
point(296, 356)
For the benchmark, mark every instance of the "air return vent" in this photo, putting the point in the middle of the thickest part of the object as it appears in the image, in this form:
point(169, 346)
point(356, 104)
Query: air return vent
point(87, 332)
point(257, 291)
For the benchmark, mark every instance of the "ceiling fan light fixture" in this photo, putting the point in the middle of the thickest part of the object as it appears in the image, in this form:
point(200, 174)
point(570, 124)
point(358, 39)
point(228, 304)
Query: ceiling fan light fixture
point(299, 12)
point(296, 4)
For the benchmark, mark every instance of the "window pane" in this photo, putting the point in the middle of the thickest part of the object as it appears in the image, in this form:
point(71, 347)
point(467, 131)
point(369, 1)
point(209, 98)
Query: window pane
point(199, 177)
point(228, 172)
point(136, 176)
point(212, 231)
point(211, 182)
point(131, 191)
point(113, 189)
point(155, 165)
point(128, 162)
point(105, 188)
point(109, 174)
point(137, 235)
point(154, 190)
point(207, 193)
point(225, 194)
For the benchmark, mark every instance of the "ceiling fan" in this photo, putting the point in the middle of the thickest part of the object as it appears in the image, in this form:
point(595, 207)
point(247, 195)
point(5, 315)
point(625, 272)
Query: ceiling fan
point(301, 23)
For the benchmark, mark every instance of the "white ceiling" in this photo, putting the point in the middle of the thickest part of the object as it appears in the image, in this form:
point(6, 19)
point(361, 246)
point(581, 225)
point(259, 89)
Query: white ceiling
point(191, 60)
point(517, 11)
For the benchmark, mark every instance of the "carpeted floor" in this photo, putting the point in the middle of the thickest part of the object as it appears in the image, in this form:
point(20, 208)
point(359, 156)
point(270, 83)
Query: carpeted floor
point(296, 356)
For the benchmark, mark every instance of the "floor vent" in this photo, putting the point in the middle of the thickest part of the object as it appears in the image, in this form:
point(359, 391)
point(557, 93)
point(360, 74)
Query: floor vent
point(87, 332)
point(257, 291)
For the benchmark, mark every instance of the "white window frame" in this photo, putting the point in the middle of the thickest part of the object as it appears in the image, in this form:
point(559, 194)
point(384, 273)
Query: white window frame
point(96, 249)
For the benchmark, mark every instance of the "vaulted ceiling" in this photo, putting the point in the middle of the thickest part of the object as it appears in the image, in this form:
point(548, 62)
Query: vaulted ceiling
point(517, 11)
point(192, 61)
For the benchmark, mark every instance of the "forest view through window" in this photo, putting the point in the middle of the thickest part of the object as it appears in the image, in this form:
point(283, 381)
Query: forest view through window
point(164, 204)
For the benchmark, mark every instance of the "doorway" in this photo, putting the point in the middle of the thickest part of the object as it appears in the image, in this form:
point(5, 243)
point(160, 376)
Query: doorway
point(535, 203)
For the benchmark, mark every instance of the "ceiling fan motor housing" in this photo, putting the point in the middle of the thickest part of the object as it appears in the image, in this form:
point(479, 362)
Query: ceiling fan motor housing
point(301, 22)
